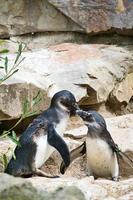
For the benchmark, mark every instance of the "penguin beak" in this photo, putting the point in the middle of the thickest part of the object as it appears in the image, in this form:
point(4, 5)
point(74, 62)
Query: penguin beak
point(80, 113)
point(76, 107)
point(84, 115)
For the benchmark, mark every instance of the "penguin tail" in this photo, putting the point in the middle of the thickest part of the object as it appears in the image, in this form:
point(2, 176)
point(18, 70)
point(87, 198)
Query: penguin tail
point(127, 160)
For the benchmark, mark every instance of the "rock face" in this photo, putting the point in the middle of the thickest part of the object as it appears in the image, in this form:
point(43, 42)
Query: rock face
point(122, 94)
point(93, 190)
point(19, 189)
point(99, 16)
point(13, 97)
point(94, 73)
point(41, 188)
point(18, 18)
point(23, 17)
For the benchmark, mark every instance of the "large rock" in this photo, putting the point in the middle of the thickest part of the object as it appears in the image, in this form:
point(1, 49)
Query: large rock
point(100, 189)
point(6, 152)
point(21, 17)
point(91, 72)
point(99, 16)
point(13, 96)
point(64, 188)
point(19, 189)
point(122, 94)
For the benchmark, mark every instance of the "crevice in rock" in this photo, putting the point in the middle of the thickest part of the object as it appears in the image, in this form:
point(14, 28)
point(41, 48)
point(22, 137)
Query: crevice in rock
point(119, 108)
point(20, 128)
point(45, 39)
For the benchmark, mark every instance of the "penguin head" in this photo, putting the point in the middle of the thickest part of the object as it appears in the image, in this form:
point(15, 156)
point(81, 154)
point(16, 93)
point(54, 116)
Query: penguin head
point(86, 116)
point(65, 101)
point(90, 121)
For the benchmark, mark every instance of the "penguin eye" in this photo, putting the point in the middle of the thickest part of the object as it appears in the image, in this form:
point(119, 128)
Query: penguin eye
point(89, 118)
point(65, 103)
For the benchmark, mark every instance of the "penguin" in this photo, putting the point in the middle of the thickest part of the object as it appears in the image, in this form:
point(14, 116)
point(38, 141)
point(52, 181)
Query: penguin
point(101, 151)
point(42, 137)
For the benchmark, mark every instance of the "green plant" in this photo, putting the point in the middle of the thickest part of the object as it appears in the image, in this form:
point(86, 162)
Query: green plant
point(28, 107)
point(27, 111)
point(8, 71)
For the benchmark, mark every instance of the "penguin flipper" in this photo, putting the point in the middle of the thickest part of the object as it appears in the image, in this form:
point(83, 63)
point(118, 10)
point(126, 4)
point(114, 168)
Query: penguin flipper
point(58, 143)
point(75, 153)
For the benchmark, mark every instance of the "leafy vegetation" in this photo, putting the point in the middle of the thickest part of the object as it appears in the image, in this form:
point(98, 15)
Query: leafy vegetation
point(27, 111)
point(7, 71)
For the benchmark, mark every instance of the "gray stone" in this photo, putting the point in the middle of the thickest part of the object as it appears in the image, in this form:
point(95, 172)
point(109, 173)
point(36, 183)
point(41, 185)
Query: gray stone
point(118, 190)
point(22, 17)
point(92, 189)
point(17, 189)
point(66, 193)
point(12, 188)
point(99, 16)
point(13, 96)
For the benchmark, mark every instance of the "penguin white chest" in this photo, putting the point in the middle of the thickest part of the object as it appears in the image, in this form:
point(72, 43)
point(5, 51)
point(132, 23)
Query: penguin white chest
point(60, 127)
point(44, 150)
point(99, 156)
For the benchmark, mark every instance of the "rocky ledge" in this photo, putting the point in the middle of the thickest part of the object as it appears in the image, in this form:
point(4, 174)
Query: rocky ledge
point(41, 188)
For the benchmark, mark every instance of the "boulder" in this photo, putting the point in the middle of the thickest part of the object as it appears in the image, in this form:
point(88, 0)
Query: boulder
point(99, 16)
point(12, 188)
point(66, 193)
point(22, 17)
point(100, 189)
point(92, 17)
point(121, 95)
point(121, 190)
point(17, 189)
point(13, 96)
point(90, 72)
point(6, 152)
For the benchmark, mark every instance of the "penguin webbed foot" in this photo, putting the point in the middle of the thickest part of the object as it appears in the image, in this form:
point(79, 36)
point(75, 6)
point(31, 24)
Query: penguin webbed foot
point(115, 178)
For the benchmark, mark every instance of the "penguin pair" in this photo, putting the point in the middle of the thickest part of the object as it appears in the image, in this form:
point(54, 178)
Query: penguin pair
point(101, 151)
point(42, 136)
